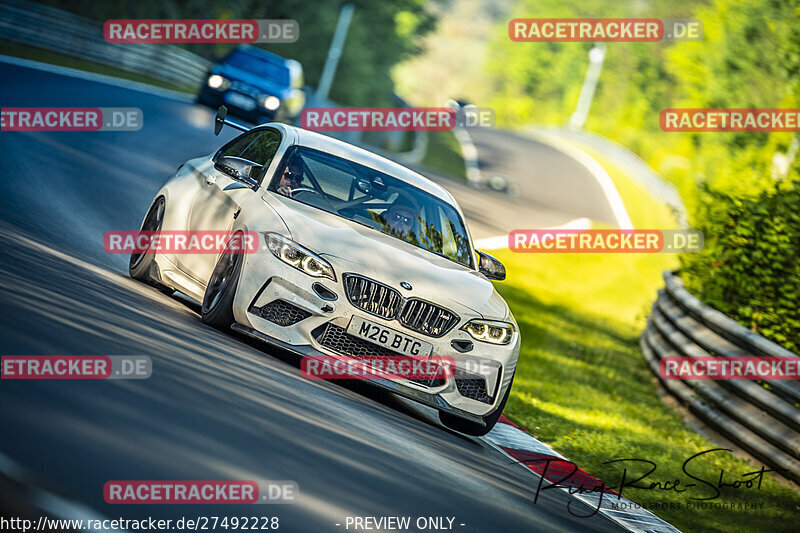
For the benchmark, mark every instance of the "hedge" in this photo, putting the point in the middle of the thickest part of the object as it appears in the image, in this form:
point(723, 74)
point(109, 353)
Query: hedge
point(750, 266)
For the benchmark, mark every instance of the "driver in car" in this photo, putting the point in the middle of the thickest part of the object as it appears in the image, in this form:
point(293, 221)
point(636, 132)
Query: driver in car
point(400, 217)
point(291, 178)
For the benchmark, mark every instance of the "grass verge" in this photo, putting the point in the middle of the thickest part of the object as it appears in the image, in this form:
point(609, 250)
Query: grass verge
point(583, 387)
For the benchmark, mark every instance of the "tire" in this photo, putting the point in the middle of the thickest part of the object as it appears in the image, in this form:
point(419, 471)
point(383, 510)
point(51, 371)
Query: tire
point(217, 309)
point(140, 266)
point(473, 428)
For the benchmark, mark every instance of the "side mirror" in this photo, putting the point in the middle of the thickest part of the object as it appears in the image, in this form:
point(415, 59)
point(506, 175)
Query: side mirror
point(491, 267)
point(219, 120)
point(238, 168)
point(364, 186)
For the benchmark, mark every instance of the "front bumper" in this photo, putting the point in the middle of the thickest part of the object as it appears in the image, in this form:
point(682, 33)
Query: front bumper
point(265, 279)
point(397, 387)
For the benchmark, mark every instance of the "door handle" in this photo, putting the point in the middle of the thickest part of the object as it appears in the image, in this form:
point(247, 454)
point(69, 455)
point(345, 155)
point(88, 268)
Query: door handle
point(211, 180)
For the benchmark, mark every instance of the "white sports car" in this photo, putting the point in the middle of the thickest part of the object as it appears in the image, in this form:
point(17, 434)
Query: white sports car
point(357, 252)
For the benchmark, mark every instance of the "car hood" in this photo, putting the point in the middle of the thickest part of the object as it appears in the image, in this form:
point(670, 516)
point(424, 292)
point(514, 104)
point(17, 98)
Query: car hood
point(352, 247)
point(264, 85)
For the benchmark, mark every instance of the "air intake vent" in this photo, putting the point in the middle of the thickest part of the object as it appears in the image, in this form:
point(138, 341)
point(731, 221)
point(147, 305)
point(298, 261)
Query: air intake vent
point(338, 340)
point(472, 386)
point(281, 312)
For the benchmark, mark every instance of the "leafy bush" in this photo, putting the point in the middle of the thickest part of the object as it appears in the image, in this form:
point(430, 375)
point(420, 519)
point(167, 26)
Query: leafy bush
point(750, 267)
point(749, 58)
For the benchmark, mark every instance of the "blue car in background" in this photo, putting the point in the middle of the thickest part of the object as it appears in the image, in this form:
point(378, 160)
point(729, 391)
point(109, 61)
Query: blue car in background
point(255, 85)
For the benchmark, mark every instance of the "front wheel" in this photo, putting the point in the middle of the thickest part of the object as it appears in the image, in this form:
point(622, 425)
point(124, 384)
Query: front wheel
point(217, 309)
point(473, 428)
point(141, 263)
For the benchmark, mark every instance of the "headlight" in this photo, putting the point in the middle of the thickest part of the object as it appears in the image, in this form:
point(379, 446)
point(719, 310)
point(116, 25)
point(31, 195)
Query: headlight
point(270, 103)
point(299, 257)
point(215, 81)
point(490, 331)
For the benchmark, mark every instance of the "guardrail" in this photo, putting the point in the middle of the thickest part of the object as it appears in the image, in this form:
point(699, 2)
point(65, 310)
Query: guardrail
point(63, 32)
point(763, 418)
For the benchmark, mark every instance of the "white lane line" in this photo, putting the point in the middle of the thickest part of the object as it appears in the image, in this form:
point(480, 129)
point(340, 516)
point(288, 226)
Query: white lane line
point(99, 78)
point(501, 241)
point(595, 169)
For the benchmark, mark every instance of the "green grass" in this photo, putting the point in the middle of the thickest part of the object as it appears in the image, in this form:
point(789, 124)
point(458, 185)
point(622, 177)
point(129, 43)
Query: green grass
point(10, 48)
point(583, 387)
point(443, 155)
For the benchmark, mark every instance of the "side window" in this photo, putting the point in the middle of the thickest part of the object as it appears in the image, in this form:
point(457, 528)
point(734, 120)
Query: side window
point(335, 181)
point(449, 247)
point(262, 150)
point(258, 146)
point(238, 145)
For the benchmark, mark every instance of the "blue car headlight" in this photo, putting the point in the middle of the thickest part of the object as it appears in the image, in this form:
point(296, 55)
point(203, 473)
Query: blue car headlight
point(299, 257)
point(270, 103)
point(215, 81)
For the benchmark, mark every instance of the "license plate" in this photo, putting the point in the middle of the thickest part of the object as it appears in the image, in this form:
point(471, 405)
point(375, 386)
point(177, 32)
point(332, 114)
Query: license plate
point(241, 101)
point(388, 338)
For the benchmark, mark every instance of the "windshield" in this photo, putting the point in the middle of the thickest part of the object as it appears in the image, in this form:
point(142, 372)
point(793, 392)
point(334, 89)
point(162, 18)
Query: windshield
point(374, 199)
point(260, 66)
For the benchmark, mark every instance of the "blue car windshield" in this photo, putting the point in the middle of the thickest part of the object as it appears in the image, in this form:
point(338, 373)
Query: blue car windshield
point(259, 66)
point(374, 199)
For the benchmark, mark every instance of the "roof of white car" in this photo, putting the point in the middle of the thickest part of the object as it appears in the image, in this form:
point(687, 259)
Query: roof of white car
point(348, 151)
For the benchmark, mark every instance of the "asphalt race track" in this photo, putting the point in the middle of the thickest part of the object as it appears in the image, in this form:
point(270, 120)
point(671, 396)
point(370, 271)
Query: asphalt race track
point(216, 406)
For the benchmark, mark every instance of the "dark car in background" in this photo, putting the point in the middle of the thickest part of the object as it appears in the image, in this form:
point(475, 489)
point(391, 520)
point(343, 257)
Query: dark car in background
point(255, 85)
